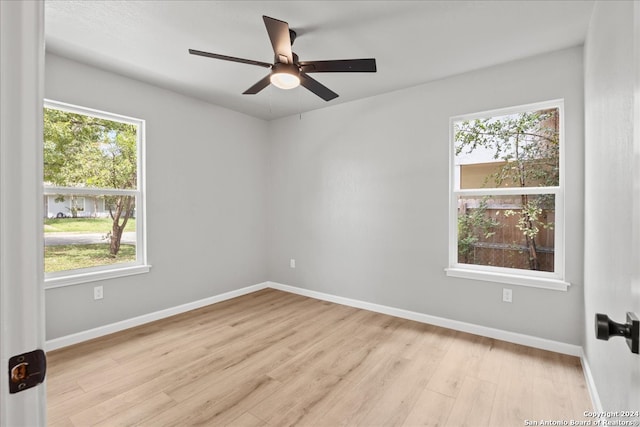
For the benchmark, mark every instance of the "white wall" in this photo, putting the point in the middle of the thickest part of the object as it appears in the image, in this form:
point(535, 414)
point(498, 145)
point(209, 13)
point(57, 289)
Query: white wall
point(357, 194)
point(359, 197)
point(206, 173)
point(609, 203)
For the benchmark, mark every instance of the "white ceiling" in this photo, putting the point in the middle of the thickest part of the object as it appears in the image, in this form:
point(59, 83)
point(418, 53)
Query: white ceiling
point(413, 42)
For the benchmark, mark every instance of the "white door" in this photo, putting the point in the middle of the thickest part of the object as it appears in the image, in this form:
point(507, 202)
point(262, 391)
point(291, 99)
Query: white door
point(626, 297)
point(612, 198)
point(21, 247)
point(634, 300)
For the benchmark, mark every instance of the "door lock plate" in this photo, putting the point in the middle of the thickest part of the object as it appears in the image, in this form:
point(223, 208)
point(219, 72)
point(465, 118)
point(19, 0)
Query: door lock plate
point(633, 341)
point(27, 370)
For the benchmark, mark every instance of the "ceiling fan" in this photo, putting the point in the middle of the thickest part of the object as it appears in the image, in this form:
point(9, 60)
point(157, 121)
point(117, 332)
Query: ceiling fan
point(287, 71)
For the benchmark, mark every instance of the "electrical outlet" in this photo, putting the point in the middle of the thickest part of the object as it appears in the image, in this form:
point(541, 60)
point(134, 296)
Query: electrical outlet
point(292, 263)
point(98, 292)
point(507, 295)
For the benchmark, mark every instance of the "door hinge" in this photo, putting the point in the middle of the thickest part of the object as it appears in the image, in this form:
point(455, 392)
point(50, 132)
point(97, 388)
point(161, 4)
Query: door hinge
point(27, 370)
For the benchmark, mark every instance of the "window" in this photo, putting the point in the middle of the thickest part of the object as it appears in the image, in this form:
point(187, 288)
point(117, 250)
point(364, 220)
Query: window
point(506, 211)
point(77, 204)
point(93, 195)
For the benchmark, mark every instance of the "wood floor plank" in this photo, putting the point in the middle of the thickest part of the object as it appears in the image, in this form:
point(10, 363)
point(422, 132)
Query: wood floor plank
point(464, 357)
point(272, 358)
point(578, 392)
point(220, 406)
point(247, 420)
point(473, 405)
point(354, 348)
point(123, 412)
point(146, 369)
point(431, 409)
point(64, 388)
point(295, 399)
point(491, 364)
point(63, 422)
point(514, 395)
point(58, 411)
point(352, 403)
point(551, 399)
point(399, 395)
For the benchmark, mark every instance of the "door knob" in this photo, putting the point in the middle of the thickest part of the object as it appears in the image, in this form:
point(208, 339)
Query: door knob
point(606, 328)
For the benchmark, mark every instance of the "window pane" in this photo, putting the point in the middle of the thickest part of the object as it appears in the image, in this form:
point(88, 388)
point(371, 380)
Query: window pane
point(516, 150)
point(90, 152)
point(82, 239)
point(90, 188)
point(507, 231)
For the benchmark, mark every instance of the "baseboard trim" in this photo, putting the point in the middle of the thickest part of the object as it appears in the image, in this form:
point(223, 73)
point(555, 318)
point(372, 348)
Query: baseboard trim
point(100, 331)
point(500, 334)
point(591, 384)
point(513, 337)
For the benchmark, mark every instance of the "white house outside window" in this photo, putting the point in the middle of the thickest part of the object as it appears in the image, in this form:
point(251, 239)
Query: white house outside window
point(94, 225)
point(507, 200)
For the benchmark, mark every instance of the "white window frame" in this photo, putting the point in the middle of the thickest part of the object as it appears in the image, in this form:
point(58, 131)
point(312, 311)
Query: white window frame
point(140, 265)
point(513, 276)
point(80, 209)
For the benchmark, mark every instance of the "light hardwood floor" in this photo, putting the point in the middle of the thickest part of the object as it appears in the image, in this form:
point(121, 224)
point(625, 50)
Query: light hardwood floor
point(273, 359)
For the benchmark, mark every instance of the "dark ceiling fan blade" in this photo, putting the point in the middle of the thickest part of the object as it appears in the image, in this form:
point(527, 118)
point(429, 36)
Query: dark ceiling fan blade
point(280, 39)
point(264, 82)
point(340, 66)
point(229, 58)
point(318, 88)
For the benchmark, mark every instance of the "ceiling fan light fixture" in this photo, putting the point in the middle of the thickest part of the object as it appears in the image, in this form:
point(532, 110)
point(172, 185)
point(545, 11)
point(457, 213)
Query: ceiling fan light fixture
point(285, 76)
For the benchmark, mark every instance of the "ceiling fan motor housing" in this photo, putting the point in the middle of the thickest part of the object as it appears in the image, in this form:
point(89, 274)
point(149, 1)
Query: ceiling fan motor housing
point(280, 67)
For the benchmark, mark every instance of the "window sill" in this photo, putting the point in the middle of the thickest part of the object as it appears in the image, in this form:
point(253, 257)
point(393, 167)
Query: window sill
point(511, 279)
point(93, 276)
